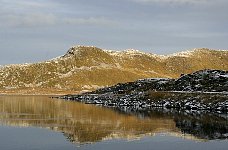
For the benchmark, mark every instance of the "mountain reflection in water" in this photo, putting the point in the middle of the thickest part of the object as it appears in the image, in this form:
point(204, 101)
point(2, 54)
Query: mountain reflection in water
point(88, 123)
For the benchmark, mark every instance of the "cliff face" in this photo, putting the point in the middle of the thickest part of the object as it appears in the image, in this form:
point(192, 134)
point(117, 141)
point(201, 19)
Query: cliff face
point(88, 68)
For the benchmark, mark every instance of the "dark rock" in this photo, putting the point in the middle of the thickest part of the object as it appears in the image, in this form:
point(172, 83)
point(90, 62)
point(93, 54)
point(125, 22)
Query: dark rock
point(201, 90)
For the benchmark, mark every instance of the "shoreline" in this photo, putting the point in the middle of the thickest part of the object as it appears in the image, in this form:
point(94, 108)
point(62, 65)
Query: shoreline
point(39, 91)
point(181, 101)
point(80, 92)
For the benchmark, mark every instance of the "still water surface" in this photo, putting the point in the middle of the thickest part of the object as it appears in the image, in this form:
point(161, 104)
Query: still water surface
point(41, 123)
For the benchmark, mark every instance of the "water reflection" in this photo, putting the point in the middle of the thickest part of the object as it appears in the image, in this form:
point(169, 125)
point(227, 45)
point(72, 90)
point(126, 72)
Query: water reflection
point(202, 125)
point(88, 123)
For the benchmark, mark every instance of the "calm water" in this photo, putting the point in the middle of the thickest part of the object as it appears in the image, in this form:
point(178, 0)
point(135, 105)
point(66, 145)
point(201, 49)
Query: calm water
point(40, 123)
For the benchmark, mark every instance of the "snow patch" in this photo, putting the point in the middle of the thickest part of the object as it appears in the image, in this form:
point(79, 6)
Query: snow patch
point(187, 53)
point(90, 87)
point(226, 76)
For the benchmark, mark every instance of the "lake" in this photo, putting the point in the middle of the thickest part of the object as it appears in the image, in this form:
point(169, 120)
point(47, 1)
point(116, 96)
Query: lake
point(41, 123)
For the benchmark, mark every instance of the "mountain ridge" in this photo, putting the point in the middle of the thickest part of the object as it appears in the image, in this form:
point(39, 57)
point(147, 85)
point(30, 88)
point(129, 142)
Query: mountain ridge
point(89, 68)
point(74, 49)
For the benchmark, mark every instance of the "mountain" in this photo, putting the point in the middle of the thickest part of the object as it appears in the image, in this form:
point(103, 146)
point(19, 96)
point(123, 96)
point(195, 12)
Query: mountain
point(89, 68)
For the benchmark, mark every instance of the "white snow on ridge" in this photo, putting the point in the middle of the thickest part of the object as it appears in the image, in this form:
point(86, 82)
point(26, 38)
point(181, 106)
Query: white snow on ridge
point(129, 53)
point(55, 59)
point(121, 53)
point(15, 65)
point(133, 52)
point(187, 53)
point(124, 52)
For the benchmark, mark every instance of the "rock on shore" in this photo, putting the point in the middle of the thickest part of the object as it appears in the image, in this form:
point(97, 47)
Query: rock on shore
point(204, 90)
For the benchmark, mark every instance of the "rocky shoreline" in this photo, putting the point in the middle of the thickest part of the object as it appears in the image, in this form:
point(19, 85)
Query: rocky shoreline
point(138, 103)
point(205, 90)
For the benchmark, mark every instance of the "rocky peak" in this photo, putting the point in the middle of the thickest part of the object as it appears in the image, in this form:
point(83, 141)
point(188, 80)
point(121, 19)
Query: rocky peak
point(77, 50)
point(206, 74)
point(203, 80)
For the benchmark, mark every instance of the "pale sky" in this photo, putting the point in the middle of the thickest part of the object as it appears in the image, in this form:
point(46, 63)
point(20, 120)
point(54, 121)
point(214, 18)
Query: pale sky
point(36, 30)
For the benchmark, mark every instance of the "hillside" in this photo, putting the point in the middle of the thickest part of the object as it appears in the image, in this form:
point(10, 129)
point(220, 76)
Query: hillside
point(89, 68)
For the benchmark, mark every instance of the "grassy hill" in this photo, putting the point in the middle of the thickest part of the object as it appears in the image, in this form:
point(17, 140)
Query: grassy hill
point(88, 68)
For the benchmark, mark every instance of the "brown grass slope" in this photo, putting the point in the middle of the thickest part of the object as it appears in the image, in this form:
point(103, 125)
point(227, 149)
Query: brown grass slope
point(87, 68)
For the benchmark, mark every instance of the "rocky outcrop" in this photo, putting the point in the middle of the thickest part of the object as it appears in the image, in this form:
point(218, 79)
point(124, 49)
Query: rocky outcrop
point(202, 90)
point(204, 80)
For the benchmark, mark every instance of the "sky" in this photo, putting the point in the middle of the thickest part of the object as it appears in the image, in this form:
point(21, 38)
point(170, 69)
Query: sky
point(37, 30)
